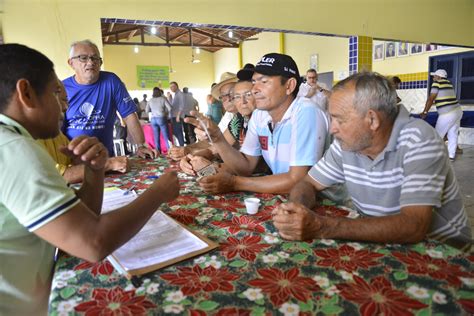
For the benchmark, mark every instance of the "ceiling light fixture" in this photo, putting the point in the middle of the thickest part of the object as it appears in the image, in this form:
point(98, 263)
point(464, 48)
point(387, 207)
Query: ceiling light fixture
point(198, 50)
point(153, 30)
point(231, 34)
point(193, 59)
point(136, 49)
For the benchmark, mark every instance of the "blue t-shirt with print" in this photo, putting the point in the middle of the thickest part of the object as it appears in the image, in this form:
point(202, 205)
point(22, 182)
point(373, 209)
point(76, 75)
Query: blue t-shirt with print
point(92, 108)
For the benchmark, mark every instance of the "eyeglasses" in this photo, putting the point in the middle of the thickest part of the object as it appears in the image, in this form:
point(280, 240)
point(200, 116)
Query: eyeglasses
point(239, 97)
point(85, 58)
point(226, 96)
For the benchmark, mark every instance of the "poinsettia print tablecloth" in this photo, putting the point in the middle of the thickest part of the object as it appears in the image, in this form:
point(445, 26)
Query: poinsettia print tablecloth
point(255, 272)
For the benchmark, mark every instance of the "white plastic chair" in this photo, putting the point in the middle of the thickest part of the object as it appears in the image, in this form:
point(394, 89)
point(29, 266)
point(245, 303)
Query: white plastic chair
point(118, 143)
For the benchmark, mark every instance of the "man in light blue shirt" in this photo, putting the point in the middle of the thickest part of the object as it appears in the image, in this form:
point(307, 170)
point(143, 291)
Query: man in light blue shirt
point(289, 134)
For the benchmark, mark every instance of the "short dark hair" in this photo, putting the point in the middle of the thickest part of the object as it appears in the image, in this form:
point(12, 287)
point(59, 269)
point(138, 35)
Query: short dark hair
point(174, 82)
point(21, 62)
point(396, 80)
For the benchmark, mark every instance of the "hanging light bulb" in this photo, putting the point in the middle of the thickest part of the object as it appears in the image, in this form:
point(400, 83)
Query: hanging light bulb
point(231, 34)
point(153, 30)
point(198, 50)
point(136, 50)
point(169, 56)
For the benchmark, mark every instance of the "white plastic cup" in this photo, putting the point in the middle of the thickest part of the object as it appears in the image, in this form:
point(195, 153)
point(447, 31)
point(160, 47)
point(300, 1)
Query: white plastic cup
point(252, 205)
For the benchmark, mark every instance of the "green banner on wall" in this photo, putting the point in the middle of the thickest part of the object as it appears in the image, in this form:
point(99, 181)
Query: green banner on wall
point(149, 77)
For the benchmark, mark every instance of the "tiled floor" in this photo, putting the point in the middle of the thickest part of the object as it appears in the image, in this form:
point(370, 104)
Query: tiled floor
point(464, 169)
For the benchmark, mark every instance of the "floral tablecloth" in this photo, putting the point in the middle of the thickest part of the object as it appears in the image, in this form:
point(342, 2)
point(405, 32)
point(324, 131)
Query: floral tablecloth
point(255, 272)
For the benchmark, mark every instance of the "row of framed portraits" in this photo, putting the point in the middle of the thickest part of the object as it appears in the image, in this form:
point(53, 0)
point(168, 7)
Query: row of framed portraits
point(387, 50)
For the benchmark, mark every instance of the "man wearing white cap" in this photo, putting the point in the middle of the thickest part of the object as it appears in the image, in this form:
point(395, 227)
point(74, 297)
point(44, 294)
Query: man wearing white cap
point(223, 92)
point(287, 132)
point(442, 94)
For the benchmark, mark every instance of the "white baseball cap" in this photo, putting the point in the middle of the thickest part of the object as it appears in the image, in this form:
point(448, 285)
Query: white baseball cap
point(440, 73)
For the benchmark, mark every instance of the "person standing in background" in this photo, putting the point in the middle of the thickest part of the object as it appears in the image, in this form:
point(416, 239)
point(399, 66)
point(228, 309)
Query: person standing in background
point(442, 94)
point(94, 97)
point(176, 112)
point(158, 108)
point(142, 105)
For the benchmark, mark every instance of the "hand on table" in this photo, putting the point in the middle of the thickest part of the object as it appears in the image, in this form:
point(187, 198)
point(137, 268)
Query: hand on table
point(296, 222)
point(87, 150)
point(190, 164)
point(221, 182)
point(120, 164)
point(212, 128)
point(176, 153)
point(145, 152)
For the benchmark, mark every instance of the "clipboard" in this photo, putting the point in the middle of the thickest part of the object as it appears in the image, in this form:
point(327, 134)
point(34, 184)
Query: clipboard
point(122, 268)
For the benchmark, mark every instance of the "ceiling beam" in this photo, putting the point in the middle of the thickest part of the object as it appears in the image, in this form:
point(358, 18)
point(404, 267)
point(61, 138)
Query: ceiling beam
point(109, 29)
point(178, 36)
point(171, 44)
point(214, 36)
point(122, 31)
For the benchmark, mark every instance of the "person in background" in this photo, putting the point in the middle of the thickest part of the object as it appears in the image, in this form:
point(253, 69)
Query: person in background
point(396, 170)
point(139, 110)
point(214, 109)
point(190, 104)
point(290, 133)
point(243, 99)
point(142, 106)
point(38, 210)
point(396, 81)
point(94, 97)
point(74, 173)
point(223, 92)
point(313, 90)
point(442, 95)
point(158, 108)
point(176, 114)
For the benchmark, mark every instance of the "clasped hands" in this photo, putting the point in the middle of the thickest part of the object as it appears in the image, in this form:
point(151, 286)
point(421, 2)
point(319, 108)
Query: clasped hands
point(88, 151)
point(294, 221)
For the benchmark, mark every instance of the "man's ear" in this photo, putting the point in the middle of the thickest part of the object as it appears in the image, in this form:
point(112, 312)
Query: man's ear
point(374, 120)
point(291, 86)
point(69, 62)
point(26, 94)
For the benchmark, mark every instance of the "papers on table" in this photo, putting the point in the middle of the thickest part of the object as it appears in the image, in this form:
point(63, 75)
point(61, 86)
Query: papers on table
point(161, 242)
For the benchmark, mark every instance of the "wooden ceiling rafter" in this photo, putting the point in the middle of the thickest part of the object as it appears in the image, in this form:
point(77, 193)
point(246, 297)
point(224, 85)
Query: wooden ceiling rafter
point(207, 38)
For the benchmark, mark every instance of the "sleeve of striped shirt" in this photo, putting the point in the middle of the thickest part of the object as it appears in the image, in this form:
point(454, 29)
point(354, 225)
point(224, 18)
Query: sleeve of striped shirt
point(329, 170)
point(32, 189)
point(425, 167)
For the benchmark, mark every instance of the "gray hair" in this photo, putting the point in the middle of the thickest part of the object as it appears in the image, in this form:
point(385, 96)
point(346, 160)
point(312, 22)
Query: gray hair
point(372, 92)
point(83, 42)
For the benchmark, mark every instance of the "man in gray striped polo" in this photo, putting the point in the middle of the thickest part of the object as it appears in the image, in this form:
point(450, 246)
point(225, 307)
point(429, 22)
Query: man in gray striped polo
point(396, 170)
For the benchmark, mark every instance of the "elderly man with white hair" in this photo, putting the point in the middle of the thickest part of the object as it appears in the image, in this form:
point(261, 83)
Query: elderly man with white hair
point(94, 98)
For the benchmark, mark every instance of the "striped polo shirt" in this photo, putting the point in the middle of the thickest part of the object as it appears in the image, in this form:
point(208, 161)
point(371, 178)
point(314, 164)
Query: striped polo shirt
point(446, 96)
point(413, 169)
point(298, 139)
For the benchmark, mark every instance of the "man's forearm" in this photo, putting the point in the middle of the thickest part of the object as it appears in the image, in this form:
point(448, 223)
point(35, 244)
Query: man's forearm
point(304, 193)
point(398, 228)
point(74, 174)
point(233, 158)
point(277, 183)
point(92, 189)
point(134, 128)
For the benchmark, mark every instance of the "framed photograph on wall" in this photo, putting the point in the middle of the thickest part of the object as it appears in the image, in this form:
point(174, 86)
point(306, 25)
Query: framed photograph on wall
point(431, 47)
point(402, 49)
point(416, 48)
point(390, 50)
point(378, 51)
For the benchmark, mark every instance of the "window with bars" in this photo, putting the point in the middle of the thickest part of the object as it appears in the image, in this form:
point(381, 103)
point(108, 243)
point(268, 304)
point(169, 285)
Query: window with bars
point(460, 69)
